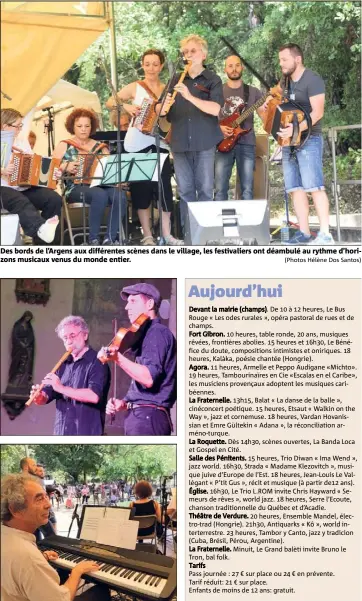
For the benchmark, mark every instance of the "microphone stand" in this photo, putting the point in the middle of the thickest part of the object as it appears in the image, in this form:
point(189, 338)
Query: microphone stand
point(117, 107)
point(75, 517)
point(164, 495)
point(157, 136)
point(5, 95)
point(119, 173)
point(50, 130)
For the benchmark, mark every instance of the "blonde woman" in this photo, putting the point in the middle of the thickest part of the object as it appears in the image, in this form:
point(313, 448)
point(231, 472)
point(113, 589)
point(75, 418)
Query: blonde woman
point(28, 201)
point(143, 193)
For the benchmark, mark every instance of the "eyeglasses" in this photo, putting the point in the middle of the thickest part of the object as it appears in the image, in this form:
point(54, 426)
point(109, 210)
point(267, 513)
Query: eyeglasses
point(16, 126)
point(71, 337)
point(192, 51)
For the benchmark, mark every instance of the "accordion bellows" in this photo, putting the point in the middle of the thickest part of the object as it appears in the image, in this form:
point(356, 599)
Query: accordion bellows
point(34, 170)
point(147, 116)
point(281, 115)
point(86, 168)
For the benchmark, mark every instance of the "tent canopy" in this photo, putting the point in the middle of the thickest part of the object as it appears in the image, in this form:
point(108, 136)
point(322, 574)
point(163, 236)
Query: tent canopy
point(67, 94)
point(63, 97)
point(40, 41)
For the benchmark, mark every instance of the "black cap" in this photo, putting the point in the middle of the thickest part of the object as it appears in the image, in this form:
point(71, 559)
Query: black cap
point(146, 289)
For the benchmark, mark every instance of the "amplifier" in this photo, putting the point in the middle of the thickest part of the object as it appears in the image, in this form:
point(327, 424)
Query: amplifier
point(222, 222)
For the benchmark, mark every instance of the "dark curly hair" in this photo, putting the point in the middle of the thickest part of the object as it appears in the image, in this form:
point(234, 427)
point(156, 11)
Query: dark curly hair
point(143, 489)
point(158, 53)
point(76, 114)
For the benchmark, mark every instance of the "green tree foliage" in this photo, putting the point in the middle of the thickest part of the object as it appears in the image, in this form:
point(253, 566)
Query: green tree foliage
point(76, 460)
point(137, 462)
point(103, 462)
point(10, 458)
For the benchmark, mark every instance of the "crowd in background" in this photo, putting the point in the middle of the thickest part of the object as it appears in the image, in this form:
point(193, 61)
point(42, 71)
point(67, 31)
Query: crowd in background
point(102, 493)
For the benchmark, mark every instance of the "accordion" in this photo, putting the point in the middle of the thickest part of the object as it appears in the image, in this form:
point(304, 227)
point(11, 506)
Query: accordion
point(86, 168)
point(147, 116)
point(280, 115)
point(34, 170)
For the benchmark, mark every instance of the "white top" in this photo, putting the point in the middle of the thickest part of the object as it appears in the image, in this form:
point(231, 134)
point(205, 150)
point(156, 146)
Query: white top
point(25, 573)
point(25, 147)
point(135, 140)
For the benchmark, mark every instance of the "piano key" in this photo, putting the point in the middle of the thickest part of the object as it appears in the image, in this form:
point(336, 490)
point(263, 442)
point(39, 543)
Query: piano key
point(127, 578)
point(113, 570)
point(132, 580)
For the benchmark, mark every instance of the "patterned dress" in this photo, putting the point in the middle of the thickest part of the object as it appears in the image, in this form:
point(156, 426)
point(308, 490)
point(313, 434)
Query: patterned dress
point(71, 154)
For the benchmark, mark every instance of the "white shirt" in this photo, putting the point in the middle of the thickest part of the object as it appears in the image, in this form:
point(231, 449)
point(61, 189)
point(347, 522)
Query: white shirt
point(25, 573)
point(135, 140)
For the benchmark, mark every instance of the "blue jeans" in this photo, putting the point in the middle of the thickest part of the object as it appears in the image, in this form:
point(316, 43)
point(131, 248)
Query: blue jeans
point(146, 421)
point(244, 155)
point(194, 172)
point(304, 170)
point(98, 197)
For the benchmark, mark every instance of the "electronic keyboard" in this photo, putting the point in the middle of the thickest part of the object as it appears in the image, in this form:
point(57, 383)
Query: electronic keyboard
point(149, 576)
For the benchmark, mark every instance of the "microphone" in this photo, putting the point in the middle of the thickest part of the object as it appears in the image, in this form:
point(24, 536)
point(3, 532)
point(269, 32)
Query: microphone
point(182, 58)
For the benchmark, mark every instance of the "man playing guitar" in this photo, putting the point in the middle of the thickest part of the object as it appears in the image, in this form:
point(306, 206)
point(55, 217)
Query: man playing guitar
point(236, 96)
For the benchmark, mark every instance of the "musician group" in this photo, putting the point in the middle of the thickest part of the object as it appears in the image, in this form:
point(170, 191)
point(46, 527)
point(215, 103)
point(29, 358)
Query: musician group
point(208, 135)
point(80, 384)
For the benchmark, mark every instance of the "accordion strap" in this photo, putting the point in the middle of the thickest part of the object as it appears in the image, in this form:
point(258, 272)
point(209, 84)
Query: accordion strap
point(148, 89)
point(96, 148)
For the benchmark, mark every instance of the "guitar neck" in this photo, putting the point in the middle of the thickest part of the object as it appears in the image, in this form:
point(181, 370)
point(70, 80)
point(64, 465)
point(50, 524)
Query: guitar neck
point(245, 114)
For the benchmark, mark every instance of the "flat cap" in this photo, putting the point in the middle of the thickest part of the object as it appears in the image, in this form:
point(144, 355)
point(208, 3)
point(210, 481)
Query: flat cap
point(146, 289)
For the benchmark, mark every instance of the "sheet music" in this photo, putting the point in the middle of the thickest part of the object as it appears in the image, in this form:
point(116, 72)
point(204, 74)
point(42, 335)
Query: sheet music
point(90, 524)
point(96, 519)
point(111, 532)
point(107, 168)
point(122, 514)
point(7, 139)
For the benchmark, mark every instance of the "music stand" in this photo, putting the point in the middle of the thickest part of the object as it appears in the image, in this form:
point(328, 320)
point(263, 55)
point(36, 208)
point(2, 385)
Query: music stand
point(135, 167)
point(76, 517)
point(89, 508)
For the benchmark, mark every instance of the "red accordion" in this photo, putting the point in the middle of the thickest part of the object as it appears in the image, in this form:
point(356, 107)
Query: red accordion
point(147, 116)
point(88, 161)
point(34, 170)
point(86, 168)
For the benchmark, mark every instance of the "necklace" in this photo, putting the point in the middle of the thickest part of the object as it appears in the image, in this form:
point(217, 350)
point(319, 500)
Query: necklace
point(292, 87)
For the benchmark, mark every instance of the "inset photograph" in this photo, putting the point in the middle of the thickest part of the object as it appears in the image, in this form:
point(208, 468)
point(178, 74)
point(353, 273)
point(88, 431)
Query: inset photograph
point(88, 357)
point(104, 518)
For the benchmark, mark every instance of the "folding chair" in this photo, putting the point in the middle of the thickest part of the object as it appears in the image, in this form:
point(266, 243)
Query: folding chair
point(173, 526)
point(147, 521)
point(74, 209)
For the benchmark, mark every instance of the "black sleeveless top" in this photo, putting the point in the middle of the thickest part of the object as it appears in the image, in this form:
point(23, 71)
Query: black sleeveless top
point(144, 509)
